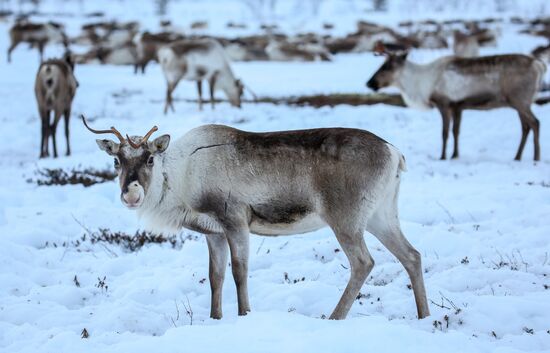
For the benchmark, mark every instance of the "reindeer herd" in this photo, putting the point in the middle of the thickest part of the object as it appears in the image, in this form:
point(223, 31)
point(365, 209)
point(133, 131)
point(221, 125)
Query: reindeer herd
point(227, 183)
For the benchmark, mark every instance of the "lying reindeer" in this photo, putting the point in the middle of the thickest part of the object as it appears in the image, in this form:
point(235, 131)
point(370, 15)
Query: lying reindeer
point(121, 55)
point(55, 87)
point(286, 51)
point(226, 183)
point(197, 60)
point(453, 84)
point(36, 34)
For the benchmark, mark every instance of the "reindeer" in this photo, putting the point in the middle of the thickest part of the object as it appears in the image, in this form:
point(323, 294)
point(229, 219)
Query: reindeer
point(148, 44)
point(55, 87)
point(36, 34)
point(453, 84)
point(226, 183)
point(197, 60)
point(465, 45)
point(121, 55)
point(285, 51)
point(107, 34)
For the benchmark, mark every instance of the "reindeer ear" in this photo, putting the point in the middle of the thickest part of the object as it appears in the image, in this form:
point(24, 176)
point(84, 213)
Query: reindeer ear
point(160, 144)
point(108, 146)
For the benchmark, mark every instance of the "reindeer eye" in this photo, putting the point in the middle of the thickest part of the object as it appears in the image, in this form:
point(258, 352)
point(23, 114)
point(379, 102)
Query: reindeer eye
point(117, 163)
point(150, 161)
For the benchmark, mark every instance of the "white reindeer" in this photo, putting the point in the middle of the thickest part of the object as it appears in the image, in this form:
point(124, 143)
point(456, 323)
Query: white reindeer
point(226, 183)
point(198, 60)
point(453, 84)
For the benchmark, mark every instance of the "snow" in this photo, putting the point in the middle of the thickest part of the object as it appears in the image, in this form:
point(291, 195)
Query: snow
point(480, 222)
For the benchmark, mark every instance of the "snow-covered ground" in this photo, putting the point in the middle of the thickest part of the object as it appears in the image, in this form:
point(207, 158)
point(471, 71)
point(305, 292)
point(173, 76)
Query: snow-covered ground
point(481, 222)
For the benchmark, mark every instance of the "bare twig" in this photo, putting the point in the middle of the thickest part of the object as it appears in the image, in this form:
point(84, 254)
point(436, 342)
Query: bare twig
point(453, 221)
point(177, 314)
point(188, 310)
point(283, 246)
point(440, 305)
point(107, 250)
point(260, 247)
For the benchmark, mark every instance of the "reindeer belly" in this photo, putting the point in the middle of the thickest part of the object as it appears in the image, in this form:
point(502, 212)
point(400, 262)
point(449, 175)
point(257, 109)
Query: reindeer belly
point(121, 56)
point(459, 87)
point(276, 219)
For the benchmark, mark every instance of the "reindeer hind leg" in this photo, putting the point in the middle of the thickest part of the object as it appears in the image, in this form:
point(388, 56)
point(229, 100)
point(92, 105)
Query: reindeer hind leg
point(361, 264)
point(384, 225)
point(67, 116)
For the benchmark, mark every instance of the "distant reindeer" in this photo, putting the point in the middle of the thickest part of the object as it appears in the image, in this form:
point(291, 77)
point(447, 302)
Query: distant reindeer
point(125, 54)
point(453, 84)
point(55, 87)
point(36, 34)
point(227, 183)
point(465, 45)
point(148, 45)
point(107, 34)
point(285, 51)
point(198, 60)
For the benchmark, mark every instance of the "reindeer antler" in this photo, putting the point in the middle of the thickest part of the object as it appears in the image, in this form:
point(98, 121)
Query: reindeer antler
point(144, 139)
point(111, 131)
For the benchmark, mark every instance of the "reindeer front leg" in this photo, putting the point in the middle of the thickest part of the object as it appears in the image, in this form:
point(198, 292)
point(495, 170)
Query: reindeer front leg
point(168, 101)
point(217, 250)
point(199, 90)
point(446, 116)
point(238, 240)
point(212, 84)
point(10, 49)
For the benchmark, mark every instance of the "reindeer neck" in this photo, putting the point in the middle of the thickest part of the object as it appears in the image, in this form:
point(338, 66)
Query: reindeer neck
point(416, 83)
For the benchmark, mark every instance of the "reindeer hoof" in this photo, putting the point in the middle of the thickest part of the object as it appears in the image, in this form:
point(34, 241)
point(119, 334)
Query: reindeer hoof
point(216, 316)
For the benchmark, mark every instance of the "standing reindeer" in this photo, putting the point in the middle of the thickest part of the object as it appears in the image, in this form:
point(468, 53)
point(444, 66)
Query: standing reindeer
point(55, 87)
point(36, 34)
point(197, 60)
point(226, 183)
point(453, 84)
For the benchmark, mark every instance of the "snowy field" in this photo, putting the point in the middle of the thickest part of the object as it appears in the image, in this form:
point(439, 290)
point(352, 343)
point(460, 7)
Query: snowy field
point(482, 223)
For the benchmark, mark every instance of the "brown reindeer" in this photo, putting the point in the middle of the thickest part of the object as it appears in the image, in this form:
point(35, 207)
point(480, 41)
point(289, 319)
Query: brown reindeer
point(453, 84)
point(55, 87)
point(36, 34)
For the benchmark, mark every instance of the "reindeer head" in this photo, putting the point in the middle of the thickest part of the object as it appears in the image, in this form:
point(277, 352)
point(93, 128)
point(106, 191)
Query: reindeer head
point(388, 72)
point(134, 159)
point(234, 91)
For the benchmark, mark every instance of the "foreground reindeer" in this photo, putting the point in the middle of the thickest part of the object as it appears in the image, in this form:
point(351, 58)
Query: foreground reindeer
point(197, 60)
point(36, 34)
point(225, 183)
point(453, 84)
point(55, 87)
